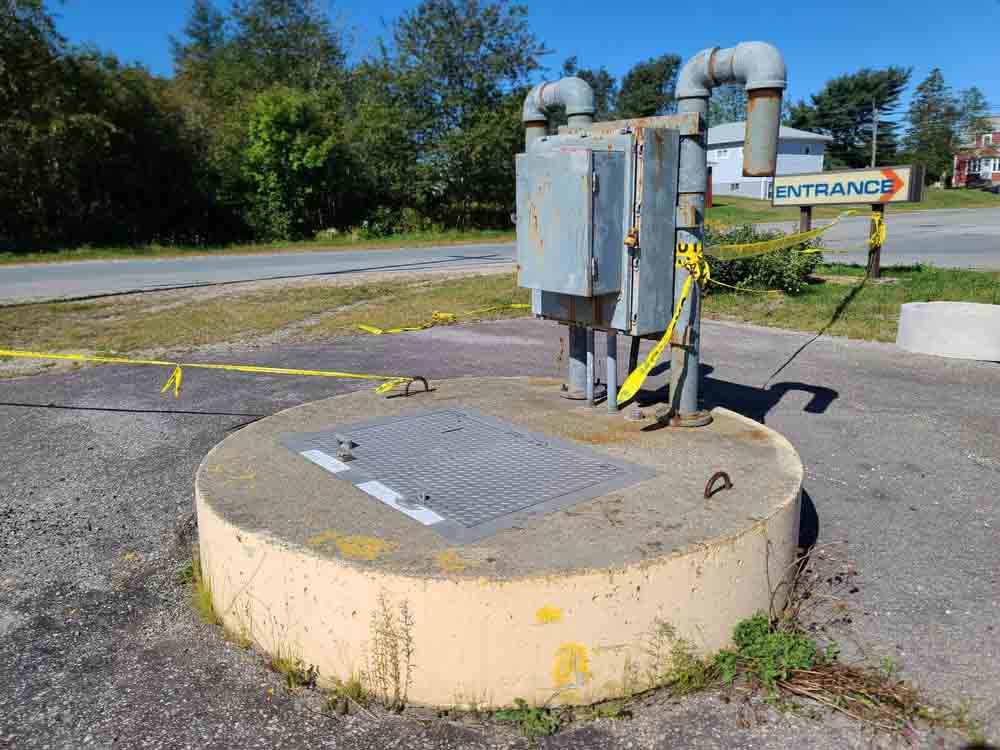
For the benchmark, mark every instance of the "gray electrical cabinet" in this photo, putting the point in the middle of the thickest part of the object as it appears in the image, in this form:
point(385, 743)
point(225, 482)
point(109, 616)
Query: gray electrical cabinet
point(580, 196)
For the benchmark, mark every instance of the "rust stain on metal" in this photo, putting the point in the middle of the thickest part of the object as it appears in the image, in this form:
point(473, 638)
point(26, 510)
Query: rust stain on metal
point(754, 99)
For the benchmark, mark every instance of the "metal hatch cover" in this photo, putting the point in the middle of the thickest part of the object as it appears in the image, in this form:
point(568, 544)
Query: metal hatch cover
point(464, 474)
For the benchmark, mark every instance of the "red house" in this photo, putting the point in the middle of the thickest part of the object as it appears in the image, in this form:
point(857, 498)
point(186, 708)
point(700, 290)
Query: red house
point(980, 159)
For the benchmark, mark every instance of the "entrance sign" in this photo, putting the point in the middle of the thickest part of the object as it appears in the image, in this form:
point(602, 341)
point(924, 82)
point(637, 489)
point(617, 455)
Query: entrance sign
point(879, 185)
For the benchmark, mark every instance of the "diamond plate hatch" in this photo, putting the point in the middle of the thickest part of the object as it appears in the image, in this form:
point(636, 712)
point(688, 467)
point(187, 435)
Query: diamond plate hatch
point(464, 474)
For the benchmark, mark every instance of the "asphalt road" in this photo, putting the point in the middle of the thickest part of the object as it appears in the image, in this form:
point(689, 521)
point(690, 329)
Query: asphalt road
point(76, 279)
point(99, 648)
point(952, 238)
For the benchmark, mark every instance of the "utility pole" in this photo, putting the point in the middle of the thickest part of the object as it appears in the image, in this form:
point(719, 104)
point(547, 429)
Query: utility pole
point(874, 128)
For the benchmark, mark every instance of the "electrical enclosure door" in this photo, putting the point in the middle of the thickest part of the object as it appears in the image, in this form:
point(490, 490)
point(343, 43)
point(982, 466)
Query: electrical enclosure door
point(652, 278)
point(570, 205)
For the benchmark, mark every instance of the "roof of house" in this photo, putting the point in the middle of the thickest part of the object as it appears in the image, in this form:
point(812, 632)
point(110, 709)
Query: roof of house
point(735, 132)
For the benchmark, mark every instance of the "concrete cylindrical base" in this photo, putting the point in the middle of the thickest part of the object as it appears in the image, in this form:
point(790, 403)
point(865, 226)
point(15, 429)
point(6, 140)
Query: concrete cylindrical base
point(574, 606)
point(963, 330)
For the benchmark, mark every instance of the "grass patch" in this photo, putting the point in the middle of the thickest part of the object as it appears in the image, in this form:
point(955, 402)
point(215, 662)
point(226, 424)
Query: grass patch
point(531, 720)
point(347, 694)
point(839, 304)
point(414, 304)
point(732, 210)
point(345, 242)
point(152, 322)
point(296, 672)
point(201, 593)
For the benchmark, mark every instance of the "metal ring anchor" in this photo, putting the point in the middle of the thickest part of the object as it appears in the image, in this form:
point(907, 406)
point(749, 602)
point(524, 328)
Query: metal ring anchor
point(727, 483)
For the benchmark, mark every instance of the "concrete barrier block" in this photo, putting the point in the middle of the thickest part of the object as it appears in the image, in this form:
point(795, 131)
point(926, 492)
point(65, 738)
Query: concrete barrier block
point(963, 330)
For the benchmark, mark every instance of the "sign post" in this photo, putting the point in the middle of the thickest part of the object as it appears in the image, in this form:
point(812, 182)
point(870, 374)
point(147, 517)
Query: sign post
point(876, 187)
point(874, 269)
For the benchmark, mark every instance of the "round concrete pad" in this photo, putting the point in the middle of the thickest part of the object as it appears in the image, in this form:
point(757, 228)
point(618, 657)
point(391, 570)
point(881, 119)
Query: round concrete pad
point(562, 605)
point(963, 330)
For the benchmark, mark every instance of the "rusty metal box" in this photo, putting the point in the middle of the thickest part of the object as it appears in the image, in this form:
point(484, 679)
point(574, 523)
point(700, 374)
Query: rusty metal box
point(579, 195)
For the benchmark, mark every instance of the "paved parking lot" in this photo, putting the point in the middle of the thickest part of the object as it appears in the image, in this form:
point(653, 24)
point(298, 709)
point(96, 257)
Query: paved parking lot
point(98, 647)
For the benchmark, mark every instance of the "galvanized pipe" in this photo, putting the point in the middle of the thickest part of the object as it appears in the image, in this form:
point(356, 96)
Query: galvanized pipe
point(760, 67)
point(576, 387)
point(590, 367)
point(611, 371)
point(575, 94)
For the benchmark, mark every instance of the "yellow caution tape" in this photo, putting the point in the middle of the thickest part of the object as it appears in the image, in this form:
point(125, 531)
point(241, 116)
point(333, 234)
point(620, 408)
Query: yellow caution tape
point(388, 381)
point(738, 251)
point(439, 318)
point(691, 256)
point(877, 237)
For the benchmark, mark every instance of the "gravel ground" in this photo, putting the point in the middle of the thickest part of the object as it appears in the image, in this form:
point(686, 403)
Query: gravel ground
point(99, 648)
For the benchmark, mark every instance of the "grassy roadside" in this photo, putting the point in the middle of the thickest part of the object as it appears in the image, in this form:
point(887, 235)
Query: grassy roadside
point(732, 210)
point(164, 321)
point(345, 242)
point(836, 302)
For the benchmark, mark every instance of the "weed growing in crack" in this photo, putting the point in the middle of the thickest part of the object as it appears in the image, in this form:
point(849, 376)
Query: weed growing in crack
point(296, 672)
point(201, 593)
point(390, 663)
point(532, 721)
point(346, 694)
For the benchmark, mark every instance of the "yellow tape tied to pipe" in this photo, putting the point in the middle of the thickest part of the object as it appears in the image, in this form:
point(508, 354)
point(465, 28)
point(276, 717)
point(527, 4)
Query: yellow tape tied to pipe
point(691, 256)
point(388, 382)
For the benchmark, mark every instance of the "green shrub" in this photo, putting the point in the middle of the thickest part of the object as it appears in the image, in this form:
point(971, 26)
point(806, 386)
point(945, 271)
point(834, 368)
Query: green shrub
point(765, 652)
point(787, 270)
point(533, 721)
point(386, 222)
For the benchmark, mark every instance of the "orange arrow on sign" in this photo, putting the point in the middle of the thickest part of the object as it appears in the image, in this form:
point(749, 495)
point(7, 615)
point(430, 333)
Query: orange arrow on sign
point(897, 184)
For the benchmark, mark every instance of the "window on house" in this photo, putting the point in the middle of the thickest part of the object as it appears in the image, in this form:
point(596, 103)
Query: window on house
point(722, 153)
point(806, 151)
point(734, 187)
point(988, 139)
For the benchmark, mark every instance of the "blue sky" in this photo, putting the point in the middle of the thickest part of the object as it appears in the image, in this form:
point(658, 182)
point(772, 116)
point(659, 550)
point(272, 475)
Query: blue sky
point(819, 39)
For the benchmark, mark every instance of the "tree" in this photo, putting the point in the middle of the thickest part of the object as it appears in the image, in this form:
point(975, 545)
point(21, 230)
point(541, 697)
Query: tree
point(648, 88)
point(845, 109)
point(601, 81)
point(290, 157)
point(728, 104)
point(974, 115)
point(197, 57)
point(934, 118)
point(286, 43)
point(459, 69)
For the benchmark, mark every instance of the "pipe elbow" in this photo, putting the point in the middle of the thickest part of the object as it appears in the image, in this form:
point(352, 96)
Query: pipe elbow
point(759, 65)
point(532, 110)
point(695, 81)
point(573, 93)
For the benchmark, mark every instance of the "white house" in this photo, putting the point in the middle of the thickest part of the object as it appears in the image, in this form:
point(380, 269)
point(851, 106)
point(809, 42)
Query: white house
point(798, 151)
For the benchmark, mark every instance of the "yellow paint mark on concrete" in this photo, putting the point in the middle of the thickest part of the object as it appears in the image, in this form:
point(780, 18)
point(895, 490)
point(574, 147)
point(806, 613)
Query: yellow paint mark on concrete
point(320, 539)
point(571, 667)
point(548, 615)
point(354, 547)
point(364, 547)
point(449, 561)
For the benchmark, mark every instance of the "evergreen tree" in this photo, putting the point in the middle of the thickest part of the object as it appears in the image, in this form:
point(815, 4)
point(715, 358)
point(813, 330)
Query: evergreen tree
point(846, 108)
point(974, 118)
point(934, 117)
